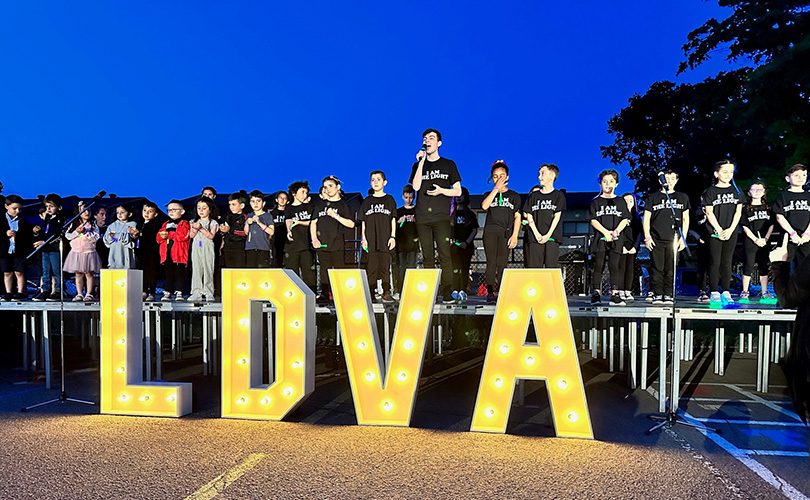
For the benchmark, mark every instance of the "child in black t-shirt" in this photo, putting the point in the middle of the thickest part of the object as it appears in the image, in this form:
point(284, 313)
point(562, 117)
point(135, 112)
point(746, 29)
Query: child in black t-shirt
point(609, 217)
point(465, 227)
point(330, 216)
point(233, 232)
point(543, 211)
point(280, 228)
point(661, 232)
point(792, 209)
point(436, 181)
point(501, 227)
point(298, 253)
point(407, 240)
point(377, 214)
point(757, 224)
point(723, 204)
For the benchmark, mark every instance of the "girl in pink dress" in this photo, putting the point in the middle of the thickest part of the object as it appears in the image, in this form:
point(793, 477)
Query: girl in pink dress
point(83, 258)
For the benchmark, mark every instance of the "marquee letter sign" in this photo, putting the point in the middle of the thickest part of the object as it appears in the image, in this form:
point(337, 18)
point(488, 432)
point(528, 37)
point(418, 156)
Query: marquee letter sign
point(243, 393)
point(384, 395)
point(123, 390)
point(539, 294)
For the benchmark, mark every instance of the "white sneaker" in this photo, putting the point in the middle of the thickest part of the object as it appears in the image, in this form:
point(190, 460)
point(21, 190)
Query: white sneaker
point(650, 297)
point(725, 298)
point(195, 297)
point(714, 298)
point(628, 296)
point(148, 298)
point(167, 297)
point(178, 297)
point(78, 298)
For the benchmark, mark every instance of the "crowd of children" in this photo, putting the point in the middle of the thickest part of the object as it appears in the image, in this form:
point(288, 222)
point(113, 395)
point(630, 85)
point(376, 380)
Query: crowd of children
point(302, 230)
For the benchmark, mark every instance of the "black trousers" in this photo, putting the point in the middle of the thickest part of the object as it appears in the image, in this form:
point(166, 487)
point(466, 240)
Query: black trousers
point(279, 242)
point(257, 259)
point(755, 255)
point(614, 260)
point(326, 261)
point(176, 276)
point(797, 253)
point(234, 259)
point(721, 253)
point(302, 262)
point(628, 264)
point(663, 267)
point(461, 267)
point(542, 256)
point(150, 264)
point(379, 268)
point(438, 234)
point(403, 262)
point(497, 252)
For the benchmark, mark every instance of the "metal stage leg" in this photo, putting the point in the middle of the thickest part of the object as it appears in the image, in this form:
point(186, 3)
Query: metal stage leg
point(271, 358)
point(632, 345)
point(215, 344)
point(158, 346)
point(611, 344)
point(604, 342)
point(174, 336)
point(721, 356)
point(621, 348)
point(147, 341)
point(439, 329)
point(741, 345)
point(387, 335)
point(645, 345)
point(26, 353)
point(46, 347)
point(337, 331)
point(662, 367)
point(787, 342)
point(766, 366)
point(205, 343)
point(760, 350)
point(675, 384)
point(35, 350)
point(716, 350)
point(750, 343)
point(594, 340)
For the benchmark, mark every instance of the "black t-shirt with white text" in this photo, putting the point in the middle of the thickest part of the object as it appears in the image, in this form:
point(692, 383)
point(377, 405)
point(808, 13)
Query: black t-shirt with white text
point(300, 232)
point(542, 207)
point(443, 173)
point(724, 202)
point(795, 207)
point(501, 212)
point(465, 224)
point(377, 212)
point(330, 231)
point(661, 223)
point(407, 239)
point(757, 218)
point(609, 212)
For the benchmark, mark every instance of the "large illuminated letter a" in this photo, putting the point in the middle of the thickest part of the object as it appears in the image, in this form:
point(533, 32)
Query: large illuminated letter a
point(539, 294)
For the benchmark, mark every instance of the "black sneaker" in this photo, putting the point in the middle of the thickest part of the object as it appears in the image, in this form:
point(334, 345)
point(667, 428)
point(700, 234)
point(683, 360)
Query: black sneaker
point(54, 297)
point(658, 300)
point(596, 299)
point(41, 297)
point(19, 296)
point(491, 298)
point(322, 300)
point(5, 297)
point(617, 300)
point(387, 298)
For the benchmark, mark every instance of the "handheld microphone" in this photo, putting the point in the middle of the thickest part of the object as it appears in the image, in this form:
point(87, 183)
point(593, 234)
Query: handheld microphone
point(662, 179)
point(424, 147)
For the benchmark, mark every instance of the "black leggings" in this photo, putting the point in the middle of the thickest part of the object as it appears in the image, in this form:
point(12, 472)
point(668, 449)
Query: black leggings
point(150, 266)
point(628, 265)
point(545, 256)
point(257, 259)
point(461, 267)
point(438, 234)
point(497, 251)
point(721, 253)
point(302, 262)
point(755, 255)
point(329, 260)
point(663, 267)
point(379, 268)
point(176, 275)
point(614, 267)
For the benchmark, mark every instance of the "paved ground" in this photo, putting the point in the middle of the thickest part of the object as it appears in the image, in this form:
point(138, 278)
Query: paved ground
point(70, 451)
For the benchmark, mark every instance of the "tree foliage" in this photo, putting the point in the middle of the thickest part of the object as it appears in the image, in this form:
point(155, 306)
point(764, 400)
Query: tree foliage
point(758, 115)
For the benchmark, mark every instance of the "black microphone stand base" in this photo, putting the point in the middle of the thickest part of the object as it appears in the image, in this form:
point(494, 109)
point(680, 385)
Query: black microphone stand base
point(670, 419)
point(63, 398)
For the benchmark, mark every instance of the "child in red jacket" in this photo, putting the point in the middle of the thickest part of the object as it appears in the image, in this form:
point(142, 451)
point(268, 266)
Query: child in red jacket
point(174, 242)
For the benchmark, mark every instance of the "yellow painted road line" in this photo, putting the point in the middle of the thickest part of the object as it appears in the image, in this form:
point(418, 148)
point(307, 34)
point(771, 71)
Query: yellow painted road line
point(219, 483)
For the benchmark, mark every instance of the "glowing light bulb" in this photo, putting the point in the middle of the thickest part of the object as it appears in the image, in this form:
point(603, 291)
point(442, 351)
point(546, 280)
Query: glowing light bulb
point(562, 384)
point(351, 283)
point(531, 292)
point(490, 412)
point(530, 360)
point(123, 398)
point(121, 283)
point(498, 382)
point(122, 341)
point(358, 314)
point(408, 344)
point(551, 313)
point(120, 369)
point(171, 399)
point(362, 345)
point(416, 315)
point(243, 286)
point(242, 361)
point(244, 322)
point(572, 416)
point(512, 316)
point(288, 391)
point(421, 286)
point(297, 364)
point(295, 324)
point(146, 397)
point(557, 350)
point(504, 348)
point(265, 401)
point(402, 375)
point(290, 294)
point(122, 311)
point(265, 285)
point(388, 406)
point(369, 376)
point(242, 400)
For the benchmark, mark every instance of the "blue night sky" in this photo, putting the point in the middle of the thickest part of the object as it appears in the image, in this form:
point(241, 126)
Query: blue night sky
point(160, 98)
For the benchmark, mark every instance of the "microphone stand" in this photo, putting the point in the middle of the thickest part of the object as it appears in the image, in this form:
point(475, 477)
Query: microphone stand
point(63, 396)
point(670, 416)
